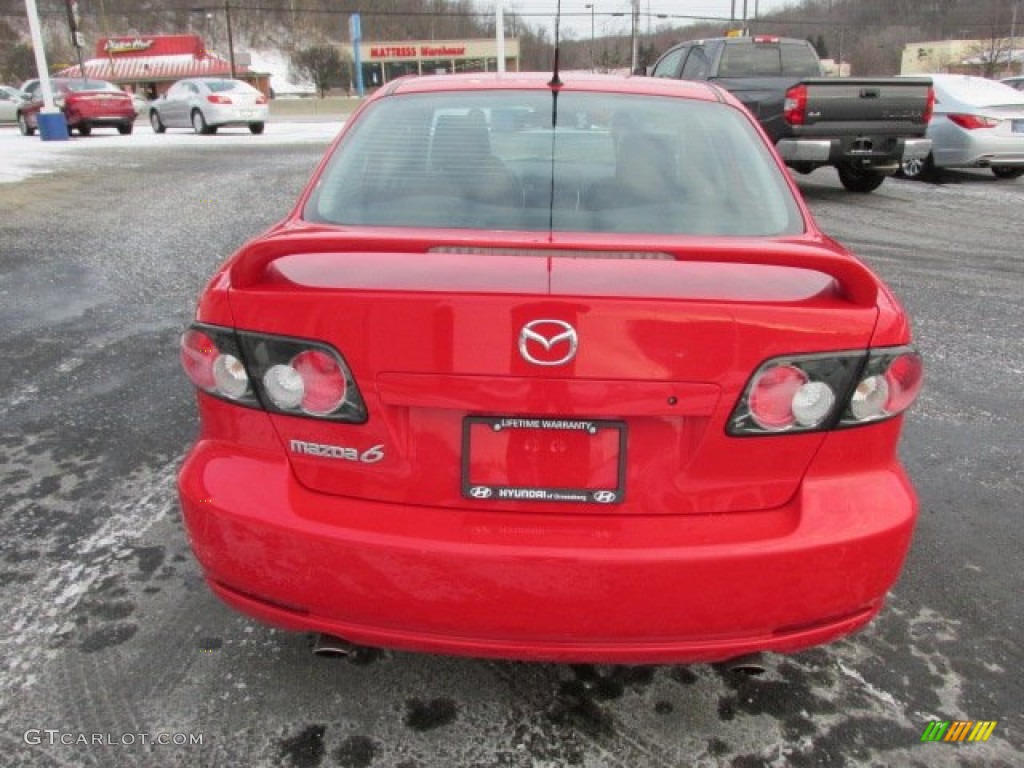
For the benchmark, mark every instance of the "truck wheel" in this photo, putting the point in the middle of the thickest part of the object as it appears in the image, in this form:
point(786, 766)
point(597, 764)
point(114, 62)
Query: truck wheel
point(922, 170)
point(1007, 172)
point(857, 180)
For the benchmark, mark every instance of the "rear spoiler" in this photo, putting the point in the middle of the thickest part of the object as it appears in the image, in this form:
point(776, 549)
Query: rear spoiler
point(855, 281)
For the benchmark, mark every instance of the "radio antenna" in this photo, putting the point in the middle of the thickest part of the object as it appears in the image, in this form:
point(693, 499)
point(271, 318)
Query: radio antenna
point(555, 81)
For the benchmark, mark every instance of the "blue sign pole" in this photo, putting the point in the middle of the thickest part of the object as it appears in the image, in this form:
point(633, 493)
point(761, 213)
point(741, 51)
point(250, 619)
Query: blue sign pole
point(356, 34)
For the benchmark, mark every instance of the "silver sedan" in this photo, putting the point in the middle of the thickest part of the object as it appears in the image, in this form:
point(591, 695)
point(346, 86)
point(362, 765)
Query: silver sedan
point(10, 99)
point(977, 123)
point(204, 104)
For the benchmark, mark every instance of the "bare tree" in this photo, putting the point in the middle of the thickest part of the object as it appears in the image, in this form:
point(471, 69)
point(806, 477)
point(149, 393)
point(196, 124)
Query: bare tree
point(322, 64)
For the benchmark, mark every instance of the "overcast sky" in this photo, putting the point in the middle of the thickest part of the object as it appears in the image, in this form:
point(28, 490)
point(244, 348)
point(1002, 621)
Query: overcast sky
point(577, 17)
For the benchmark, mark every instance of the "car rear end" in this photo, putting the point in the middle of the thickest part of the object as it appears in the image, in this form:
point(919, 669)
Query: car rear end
point(978, 123)
point(540, 431)
point(96, 103)
point(233, 102)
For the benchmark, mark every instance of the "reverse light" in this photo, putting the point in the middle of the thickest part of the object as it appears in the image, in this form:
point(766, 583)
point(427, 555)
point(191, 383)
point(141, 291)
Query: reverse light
point(812, 403)
point(284, 386)
point(973, 122)
point(794, 108)
point(229, 377)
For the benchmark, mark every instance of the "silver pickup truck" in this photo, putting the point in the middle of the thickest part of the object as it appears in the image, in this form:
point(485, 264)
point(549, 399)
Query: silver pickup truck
point(865, 127)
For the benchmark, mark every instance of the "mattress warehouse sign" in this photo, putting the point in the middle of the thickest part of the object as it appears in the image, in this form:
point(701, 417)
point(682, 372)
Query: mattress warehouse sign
point(378, 52)
point(383, 61)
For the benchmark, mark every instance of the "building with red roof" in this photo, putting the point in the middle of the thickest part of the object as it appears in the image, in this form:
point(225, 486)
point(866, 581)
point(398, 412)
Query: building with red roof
point(149, 64)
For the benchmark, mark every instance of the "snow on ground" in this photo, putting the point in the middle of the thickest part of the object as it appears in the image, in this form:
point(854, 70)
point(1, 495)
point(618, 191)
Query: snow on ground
point(24, 156)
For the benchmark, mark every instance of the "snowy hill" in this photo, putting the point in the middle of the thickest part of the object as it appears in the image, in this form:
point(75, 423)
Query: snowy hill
point(278, 65)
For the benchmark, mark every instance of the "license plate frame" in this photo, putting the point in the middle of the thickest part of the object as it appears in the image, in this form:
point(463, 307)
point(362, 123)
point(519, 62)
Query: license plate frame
point(1017, 126)
point(599, 433)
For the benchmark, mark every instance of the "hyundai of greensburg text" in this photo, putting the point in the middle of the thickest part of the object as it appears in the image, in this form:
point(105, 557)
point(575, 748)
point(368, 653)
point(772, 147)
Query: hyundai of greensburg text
point(558, 371)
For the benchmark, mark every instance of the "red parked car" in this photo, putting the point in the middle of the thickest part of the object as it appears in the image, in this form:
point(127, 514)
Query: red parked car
point(86, 104)
point(551, 371)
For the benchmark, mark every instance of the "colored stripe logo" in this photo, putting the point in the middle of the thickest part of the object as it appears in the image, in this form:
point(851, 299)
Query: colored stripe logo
point(959, 730)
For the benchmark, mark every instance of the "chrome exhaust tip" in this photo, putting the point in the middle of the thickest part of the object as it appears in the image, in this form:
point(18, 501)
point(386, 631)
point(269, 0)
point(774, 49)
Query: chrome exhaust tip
point(751, 665)
point(329, 645)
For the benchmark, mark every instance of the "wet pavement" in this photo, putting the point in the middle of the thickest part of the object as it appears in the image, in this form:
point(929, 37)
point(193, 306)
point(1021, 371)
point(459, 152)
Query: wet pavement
point(112, 642)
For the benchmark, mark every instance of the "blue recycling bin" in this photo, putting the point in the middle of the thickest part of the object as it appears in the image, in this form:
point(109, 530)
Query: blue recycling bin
point(53, 126)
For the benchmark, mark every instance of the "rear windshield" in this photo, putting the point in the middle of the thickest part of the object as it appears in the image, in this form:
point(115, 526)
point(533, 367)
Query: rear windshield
point(753, 59)
point(614, 163)
point(90, 85)
point(978, 91)
point(219, 86)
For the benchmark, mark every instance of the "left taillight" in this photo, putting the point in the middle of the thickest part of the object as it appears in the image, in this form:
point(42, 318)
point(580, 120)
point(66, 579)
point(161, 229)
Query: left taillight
point(217, 98)
point(807, 393)
point(280, 374)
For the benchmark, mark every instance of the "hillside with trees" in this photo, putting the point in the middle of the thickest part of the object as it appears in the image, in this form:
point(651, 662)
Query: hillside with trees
point(869, 34)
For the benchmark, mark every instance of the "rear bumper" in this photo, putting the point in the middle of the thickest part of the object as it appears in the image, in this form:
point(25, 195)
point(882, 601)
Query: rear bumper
point(76, 117)
point(679, 589)
point(883, 153)
point(232, 115)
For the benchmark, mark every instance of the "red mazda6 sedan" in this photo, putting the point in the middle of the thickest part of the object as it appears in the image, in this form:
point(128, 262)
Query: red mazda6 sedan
point(551, 370)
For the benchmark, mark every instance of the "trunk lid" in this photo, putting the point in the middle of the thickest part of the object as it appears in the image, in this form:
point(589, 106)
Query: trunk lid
point(665, 345)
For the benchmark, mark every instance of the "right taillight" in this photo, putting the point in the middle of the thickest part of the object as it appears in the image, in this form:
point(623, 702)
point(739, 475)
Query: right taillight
point(807, 393)
point(973, 122)
point(293, 376)
point(794, 109)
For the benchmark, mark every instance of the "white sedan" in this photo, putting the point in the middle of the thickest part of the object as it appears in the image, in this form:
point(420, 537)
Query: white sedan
point(205, 104)
point(10, 98)
point(977, 123)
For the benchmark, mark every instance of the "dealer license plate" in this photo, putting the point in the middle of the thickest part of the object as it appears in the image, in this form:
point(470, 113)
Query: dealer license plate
point(543, 459)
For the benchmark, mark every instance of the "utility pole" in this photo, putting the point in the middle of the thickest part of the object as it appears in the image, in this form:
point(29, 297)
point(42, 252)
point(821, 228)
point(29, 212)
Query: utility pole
point(1013, 39)
point(499, 33)
point(593, 61)
point(231, 40)
point(634, 58)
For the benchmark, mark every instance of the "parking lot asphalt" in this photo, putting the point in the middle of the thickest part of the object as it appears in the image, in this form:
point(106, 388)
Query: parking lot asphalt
point(112, 642)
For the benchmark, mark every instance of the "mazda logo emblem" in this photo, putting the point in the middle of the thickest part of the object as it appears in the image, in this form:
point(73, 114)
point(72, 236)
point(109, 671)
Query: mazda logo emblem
point(480, 492)
point(548, 342)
